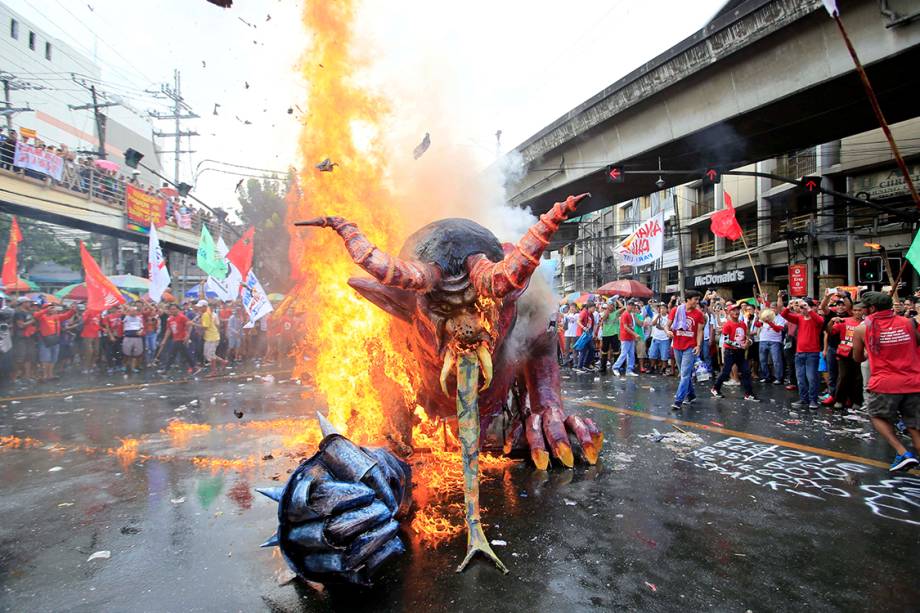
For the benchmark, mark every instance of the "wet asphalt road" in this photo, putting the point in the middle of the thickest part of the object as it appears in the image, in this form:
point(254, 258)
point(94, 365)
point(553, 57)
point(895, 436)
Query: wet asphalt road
point(751, 507)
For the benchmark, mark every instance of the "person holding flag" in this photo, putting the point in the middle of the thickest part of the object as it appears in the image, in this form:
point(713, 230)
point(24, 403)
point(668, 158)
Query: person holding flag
point(10, 273)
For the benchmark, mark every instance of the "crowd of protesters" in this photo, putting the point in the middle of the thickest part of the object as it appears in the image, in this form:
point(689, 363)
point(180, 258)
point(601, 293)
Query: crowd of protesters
point(39, 342)
point(843, 354)
point(81, 174)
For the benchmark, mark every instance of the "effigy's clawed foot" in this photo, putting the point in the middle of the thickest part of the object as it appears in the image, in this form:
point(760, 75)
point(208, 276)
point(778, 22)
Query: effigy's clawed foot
point(551, 434)
point(476, 542)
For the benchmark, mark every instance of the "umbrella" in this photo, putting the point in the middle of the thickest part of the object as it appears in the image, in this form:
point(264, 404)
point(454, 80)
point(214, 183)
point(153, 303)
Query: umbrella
point(77, 291)
point(21, 285)
point(166, 297)
point(43, 298)
point(626, 288)
point(195, 292)
point(130, 282)
point(578, 297)
point(106, 165)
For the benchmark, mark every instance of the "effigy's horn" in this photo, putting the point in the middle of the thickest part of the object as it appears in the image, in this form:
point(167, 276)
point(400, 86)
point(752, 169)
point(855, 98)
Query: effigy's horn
point(389, 270)
point(498, 279)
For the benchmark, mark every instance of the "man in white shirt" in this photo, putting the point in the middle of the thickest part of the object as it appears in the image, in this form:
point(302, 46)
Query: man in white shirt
point(570, 320)
point(771, 326)
point(660, 351)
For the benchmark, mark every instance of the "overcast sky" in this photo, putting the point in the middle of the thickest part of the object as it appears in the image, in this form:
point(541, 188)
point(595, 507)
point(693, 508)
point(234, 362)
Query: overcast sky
point(513, 66)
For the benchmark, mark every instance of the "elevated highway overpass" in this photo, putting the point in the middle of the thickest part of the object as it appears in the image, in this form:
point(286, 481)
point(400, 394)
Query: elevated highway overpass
point(763, 78)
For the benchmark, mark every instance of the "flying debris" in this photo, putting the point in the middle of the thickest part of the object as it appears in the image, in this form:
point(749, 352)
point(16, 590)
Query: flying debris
point(216, 106)
point(245, 122)
point(326, 165)
point(236, 189)
point(422, 146)
point(237, 412)
point(268, 17)
point(246, 83)
point(246, 22)
point(290, 110)
point(90, 7)
point(204, 64)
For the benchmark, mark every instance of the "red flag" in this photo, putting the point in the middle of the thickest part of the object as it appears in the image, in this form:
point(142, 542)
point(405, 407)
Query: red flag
point(101, 293)
point(10, 274)
point(724, 223)
point(240, 254)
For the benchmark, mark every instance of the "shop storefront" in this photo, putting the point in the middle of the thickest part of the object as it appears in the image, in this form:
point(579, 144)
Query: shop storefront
point(735, 283)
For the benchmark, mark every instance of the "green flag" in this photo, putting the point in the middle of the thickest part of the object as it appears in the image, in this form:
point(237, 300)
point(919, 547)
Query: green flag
point(913, 254)
point(208, 258)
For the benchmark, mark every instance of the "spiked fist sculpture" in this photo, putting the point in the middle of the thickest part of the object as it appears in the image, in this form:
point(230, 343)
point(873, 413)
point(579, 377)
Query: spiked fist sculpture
point(338, 513)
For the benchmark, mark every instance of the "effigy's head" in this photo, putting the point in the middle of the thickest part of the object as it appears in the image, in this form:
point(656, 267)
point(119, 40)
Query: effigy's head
point(451, 277)
point(459, 316)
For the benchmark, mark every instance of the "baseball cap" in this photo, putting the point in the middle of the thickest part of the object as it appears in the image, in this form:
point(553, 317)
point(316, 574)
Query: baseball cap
point(202, 303)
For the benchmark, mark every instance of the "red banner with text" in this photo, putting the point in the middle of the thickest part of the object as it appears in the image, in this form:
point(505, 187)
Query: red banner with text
point(798, 280)
point(142, 207)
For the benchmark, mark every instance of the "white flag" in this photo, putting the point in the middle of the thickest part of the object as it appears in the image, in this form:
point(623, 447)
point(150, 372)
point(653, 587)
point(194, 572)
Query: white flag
point(156, 267)
point(255, 302)
point(831, 6)
point(644, 246)
point(227, 288)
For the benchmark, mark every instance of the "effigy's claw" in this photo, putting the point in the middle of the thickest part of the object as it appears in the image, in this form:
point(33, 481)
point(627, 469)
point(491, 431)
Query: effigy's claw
point(476, 542)
point(577, 426)
point(534, 436)
point(558, 438)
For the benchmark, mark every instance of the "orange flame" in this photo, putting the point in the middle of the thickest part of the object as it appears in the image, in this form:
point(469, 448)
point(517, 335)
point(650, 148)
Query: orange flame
point(354, 365)
point(127, 453)
point(180, 431)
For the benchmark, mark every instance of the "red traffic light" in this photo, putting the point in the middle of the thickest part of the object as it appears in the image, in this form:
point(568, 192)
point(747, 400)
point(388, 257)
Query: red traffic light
point(811, 184)
point(615, 174)
point(712, 175)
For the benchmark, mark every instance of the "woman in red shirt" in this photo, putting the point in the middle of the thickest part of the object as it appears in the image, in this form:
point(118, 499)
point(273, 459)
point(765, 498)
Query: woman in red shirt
point(49, 343)
point(849, 375)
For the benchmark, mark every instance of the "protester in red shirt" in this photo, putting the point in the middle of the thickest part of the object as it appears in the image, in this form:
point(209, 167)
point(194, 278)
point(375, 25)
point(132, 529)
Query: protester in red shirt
point(151, 332)
point(849, 377)
point(112, 333)
point(737, 340)
point(808, 349)
point(892, 344)
point(686, 332)
point(176, 339)
point(89, 336)
point(49, 343)
point(627, 340)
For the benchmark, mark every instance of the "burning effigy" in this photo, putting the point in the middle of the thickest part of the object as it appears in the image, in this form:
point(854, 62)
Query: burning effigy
point(455, 289)
point(446, 343)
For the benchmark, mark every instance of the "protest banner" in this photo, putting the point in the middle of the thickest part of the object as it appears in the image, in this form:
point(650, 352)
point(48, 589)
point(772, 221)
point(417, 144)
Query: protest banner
point(644, 246)
point(142, 207)
point(31, 157)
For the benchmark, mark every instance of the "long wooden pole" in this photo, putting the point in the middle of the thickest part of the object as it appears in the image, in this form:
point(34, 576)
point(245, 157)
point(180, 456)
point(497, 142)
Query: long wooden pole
point(753, 267)
point(873, 100)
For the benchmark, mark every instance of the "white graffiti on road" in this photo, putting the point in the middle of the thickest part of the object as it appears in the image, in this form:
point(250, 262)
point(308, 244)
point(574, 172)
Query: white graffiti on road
point(897, 498)
point(778, 468)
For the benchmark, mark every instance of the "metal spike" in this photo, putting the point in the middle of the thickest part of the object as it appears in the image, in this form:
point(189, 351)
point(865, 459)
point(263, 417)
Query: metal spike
point(325, 425)
point(274, 493)
point(271, 542)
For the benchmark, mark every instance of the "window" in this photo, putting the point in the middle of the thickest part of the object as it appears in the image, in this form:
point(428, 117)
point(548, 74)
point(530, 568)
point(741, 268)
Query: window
point(48, 51)
point(32, 41)
point(14, 29)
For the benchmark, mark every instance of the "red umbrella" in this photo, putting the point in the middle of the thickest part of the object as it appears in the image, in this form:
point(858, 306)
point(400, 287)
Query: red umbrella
point(626, 288)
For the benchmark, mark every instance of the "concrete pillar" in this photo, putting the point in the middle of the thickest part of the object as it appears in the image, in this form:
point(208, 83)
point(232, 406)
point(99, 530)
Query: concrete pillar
point(763, 208)
point(719, 195)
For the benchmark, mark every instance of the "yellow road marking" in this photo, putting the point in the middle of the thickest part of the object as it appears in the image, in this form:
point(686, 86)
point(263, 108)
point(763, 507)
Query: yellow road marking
point(754, 437)
point(115, 388)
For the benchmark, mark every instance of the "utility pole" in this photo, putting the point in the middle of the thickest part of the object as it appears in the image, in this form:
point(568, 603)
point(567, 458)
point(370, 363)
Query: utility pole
point(10, 82)
point(181, 110)
point(95, 106)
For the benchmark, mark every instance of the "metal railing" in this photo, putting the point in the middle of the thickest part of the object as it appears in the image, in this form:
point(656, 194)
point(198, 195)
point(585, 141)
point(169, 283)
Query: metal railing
point(698, 209)
point(750, 236)
point(105, 188)
point(704, 249)
point(795, 165)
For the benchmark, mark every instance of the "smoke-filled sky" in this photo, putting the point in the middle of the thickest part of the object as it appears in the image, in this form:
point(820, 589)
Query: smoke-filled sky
point(461, 70)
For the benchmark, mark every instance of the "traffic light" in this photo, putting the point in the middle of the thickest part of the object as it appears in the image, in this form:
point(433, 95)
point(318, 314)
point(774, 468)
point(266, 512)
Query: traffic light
point(133, 158)
point(712, 175)
point(811, 184)
point(614, 174)
point(869, 269)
